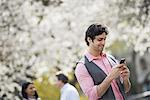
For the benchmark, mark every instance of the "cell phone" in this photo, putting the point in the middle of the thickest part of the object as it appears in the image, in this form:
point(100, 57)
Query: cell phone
point(122, 60)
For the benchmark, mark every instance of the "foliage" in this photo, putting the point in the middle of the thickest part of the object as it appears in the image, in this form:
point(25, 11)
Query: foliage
point(46, 90)
point(133, 23)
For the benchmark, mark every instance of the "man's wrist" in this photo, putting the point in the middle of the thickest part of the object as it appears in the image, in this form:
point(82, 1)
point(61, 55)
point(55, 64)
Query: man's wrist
point(109, 78)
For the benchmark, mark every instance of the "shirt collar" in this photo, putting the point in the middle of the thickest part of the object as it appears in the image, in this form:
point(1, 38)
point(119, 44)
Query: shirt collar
point(91, 57)
point(64, 87)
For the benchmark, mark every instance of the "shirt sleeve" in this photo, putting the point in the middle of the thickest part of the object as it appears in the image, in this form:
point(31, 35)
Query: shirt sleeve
point(86, 82)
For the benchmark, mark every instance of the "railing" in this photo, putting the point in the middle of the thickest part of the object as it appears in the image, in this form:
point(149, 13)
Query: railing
point(141, 96)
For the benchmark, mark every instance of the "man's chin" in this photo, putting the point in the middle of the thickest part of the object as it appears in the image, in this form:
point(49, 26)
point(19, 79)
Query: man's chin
point(100, 49)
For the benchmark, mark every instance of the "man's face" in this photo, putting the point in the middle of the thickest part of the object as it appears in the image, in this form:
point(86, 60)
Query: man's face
point(98, 43)
point(30, 90)
point(58, 83)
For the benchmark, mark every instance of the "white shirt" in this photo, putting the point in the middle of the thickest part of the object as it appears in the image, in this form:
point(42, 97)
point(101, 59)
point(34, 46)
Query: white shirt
point(69, 92)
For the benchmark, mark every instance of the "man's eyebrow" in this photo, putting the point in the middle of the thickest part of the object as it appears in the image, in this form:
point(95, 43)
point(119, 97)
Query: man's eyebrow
point(101, 38)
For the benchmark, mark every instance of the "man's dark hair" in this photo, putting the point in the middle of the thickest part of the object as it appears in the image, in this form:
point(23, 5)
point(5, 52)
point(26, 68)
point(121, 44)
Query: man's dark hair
point(23, 92)
point(62, 77)
point(94, 30)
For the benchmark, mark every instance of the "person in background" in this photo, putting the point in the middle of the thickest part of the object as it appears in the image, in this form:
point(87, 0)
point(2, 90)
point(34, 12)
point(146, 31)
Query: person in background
point(144, 75)
point(29, 92)
point(99, 74)
point(68, 92)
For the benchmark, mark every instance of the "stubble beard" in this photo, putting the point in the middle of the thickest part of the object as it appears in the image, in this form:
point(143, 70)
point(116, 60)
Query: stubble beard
point(101, 49)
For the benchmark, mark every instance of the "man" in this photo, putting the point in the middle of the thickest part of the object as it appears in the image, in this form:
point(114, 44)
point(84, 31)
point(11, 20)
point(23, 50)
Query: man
point(68, 92)
point(99, 75)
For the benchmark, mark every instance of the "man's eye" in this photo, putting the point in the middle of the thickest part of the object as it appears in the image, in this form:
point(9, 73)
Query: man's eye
point(99, 39)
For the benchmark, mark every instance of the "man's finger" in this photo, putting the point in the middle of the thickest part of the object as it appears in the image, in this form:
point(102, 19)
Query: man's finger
point(120, 65)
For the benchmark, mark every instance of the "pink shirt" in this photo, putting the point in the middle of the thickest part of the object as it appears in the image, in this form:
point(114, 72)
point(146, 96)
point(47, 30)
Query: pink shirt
point(86, 81)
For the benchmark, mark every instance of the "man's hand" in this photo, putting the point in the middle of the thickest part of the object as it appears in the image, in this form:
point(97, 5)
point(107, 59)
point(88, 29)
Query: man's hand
point(125, 73)
point(116, 71)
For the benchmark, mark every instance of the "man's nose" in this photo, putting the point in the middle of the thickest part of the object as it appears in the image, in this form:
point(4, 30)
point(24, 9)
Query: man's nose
point(103, 42)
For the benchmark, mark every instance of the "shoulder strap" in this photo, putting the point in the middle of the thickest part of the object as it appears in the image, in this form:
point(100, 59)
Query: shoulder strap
point(112, 58)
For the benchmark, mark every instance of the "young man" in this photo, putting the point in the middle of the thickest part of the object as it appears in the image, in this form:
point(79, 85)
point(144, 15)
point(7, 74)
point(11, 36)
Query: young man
point(68, 92)
point(99, 75)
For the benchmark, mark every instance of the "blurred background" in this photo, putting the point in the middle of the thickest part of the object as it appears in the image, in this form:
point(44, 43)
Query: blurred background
point(41, 37)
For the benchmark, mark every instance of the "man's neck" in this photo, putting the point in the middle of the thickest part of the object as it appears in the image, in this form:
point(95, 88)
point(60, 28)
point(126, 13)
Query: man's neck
point(94, 53)
point(62, 85)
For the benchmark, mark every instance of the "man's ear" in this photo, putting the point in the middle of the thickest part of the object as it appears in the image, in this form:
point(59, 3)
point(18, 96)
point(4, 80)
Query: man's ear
point(89, 39)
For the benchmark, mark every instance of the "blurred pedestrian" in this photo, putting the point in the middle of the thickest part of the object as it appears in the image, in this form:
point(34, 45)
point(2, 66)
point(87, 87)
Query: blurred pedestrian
point(144, 75)
point(29, 92)
point(68, 92)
